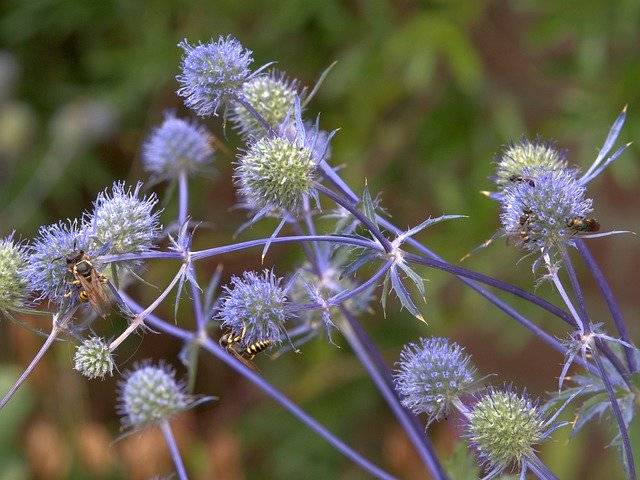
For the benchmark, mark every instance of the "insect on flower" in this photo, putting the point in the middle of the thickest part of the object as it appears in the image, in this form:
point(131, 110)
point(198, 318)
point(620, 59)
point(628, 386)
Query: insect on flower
point(229, 340)
point(89, 282)
point(584, 224)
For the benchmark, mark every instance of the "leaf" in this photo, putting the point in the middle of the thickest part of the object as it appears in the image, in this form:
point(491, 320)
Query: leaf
point(417, 280)
point(360, 261)
point(385, 293)
point(586, 415)
point(368, 207)
point(403, 294)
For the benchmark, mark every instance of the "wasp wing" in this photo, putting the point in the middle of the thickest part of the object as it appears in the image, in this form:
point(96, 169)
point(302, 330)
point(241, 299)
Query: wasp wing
point(97, 295)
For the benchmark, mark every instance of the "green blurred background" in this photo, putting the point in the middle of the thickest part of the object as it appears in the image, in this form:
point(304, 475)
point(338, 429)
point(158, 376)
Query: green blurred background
point(424, 94)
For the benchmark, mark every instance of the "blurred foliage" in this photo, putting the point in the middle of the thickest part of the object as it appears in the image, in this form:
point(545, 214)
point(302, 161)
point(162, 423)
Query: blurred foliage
point(424, 92)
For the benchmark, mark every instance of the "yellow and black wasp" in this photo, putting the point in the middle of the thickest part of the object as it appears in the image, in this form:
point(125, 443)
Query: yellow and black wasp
point(584, 224)
point(89, 282)
point(230, 340)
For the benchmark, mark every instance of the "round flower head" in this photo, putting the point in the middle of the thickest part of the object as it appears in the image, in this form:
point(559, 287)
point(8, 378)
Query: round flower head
point(13, 285)
point(176, 147)
point(431, 375)
point(524, 155)
point(150, 394)
point(93, 358)
point(539, 215)
point(123, 221)
point(504, 427)
point(255, 303)
point(213, 72)
point(46, 271)
point(272, 96)
point(278, 172)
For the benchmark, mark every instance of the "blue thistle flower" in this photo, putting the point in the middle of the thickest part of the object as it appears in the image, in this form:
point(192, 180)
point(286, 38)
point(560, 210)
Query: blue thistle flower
point(272, 96)
point(123, 221)
point(150, 394)
point(539, 214)
point(213, 73)
point(177, 146)
point(13, 285)
point(255, 303)
point(46, 271)
point(432, 375)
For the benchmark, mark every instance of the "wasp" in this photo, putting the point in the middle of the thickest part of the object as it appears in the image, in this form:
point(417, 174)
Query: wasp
point(582, 224)
point(89, 282)
point(524, 220)
point(520, 178)
point(230, 340)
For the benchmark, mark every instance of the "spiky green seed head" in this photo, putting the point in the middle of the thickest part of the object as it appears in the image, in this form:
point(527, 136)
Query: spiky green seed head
point(527, 155)
point(504, 427)
point(272, 97)
point(275, 174)
point(13, 285)
point(93, 358)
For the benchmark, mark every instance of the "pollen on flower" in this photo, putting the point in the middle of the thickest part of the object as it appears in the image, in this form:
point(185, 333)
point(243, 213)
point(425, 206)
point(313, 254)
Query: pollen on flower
point(272, 96)
point(93, 358)
point(525, 155)
point(504, 427)
point(275, 174)
point(13, 285)
point(431, 375)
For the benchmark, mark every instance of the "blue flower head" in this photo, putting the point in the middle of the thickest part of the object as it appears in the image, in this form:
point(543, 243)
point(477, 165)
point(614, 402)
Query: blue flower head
point(272, 96)
point(212, 73)
point(433, 374)
point(13, 285)
point(46, 271)
point(124, 221)
point(176, 147)
point(256, 303)
point(150, 394)
point(540, 214)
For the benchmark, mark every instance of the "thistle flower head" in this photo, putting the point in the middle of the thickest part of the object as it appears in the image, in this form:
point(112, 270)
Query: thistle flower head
point(177, 146)
point(538, 214)
point(46, 271)
point(150, 394)
point(124, 221)
point(526, 155)
point(13, 285)
point(255, 302)
point(504, 427)
point(432, 374)
point(272, 96)
point(93, 358)
point(212, 73)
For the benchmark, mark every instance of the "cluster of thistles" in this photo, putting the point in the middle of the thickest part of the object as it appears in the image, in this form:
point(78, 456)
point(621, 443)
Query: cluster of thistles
point(79, 269)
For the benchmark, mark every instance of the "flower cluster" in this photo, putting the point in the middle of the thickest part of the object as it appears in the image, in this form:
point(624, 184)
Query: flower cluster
point(93, 358)
point(14, 288)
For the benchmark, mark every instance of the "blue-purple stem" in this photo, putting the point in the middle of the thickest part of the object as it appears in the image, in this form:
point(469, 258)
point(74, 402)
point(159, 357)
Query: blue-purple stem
point(624, 434)
point(610, 300)
point(183, 198)
point(220, 353)
point(173, 449)
point(540, 469)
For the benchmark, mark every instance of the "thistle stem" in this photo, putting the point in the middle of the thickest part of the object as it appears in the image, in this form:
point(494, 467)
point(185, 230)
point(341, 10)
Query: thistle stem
point(540, 469)
point(173, 449)
point(183, 198)
point(624, 434)
point(220, 353)
point(610, 300)
point(139, 318)
point(55, 330)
